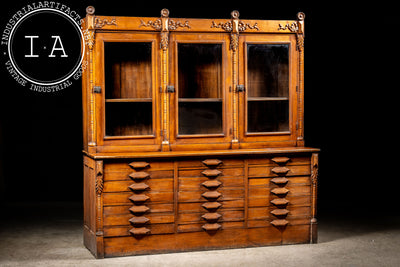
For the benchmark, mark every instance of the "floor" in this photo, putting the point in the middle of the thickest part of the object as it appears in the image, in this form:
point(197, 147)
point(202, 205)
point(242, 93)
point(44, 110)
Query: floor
point(51, 235)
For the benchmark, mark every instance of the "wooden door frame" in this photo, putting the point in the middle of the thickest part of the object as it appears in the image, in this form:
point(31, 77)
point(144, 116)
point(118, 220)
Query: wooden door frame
point(285, 138)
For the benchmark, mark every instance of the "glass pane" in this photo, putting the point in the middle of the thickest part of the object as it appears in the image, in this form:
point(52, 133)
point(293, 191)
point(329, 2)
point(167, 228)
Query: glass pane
point(267, 87)
point(200, 88)
point(128, 92)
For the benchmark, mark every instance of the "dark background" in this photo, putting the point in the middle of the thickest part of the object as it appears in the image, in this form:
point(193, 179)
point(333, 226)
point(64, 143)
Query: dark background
point(351, 74)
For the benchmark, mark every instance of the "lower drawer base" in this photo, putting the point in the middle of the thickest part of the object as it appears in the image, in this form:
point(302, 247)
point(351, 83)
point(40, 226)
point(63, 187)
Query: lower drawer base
point(230, 238)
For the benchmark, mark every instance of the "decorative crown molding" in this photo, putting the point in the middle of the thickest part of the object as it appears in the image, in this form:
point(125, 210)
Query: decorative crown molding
point(99, 23)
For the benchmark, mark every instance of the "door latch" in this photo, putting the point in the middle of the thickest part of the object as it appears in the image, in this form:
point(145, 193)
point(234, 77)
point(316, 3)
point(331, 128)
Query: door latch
point(97, 89)
point(170, 89)
point(240, 88)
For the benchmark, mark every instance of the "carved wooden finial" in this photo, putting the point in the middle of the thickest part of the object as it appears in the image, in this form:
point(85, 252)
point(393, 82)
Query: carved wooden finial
point(301, 16)
point(164, 13)
point(235, 14)
point(90, 10)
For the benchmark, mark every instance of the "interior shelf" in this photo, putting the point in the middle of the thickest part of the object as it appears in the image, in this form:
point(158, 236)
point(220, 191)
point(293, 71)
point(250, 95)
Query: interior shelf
point(200, 99)
point(267, 98)
point(120, 100)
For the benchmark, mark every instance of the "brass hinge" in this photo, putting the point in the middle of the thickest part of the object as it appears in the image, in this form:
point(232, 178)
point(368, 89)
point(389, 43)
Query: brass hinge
point(170, 89)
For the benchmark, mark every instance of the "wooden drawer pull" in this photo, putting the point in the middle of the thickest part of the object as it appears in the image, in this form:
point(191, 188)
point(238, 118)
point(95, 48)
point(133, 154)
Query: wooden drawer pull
point(212, 162)
point(280, 212)
point(279, 222)
point(140, 231)
point(211, 217)
point(211, 226)
point(139, 209)
point(280, 170)
point(139, 220)
point(280, 160)
point(212, 184)
point(211, 205)
point(139, 198)
point(139, 175)
point(211, 173)
point(211, 195)
point(280, 180)
point(280, 201)
point(280, 191)
point(139, 165)
point(138, 187)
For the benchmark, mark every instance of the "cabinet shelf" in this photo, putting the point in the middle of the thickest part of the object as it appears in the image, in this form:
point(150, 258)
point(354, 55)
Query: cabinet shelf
point(200, 99)
point(128, 100)
point(267, 98)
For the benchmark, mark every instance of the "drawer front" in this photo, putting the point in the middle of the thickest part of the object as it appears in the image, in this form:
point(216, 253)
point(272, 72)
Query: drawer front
point(207, 195)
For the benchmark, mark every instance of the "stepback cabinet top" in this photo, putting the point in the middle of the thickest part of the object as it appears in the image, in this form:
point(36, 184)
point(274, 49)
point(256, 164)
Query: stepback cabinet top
point(161, 84)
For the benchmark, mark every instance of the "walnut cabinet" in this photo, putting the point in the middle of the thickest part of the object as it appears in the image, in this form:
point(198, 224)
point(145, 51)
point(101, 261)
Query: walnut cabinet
point(193, 135)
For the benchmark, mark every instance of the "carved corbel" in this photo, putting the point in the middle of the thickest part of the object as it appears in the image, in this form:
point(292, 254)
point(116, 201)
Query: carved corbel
point(89, 34)
point(235, 26)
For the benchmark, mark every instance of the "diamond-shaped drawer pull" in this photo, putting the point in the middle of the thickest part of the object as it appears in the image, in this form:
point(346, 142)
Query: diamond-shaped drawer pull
point(139, 220)
point(211, 217)
point(280, 201)
point(280, 212)
point(139, 209)
point(211, 205)
point(280, 191)
point(211, 184)
point(211, 226)
point(280, 170)
point(138, 187)
point(211, 195)
point(281, 222)
point(139, 198)
point(212, 162)
point(280, 160)
point(211, 173)
point(280, 180)
point(139, 175)
point(140, 231)
point(139, 165)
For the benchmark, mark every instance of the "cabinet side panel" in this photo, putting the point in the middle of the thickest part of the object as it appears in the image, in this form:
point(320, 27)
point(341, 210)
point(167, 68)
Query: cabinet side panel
point(89, 205)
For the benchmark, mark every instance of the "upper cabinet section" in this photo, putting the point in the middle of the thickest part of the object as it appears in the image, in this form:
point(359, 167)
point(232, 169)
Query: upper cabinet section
point(164, 84)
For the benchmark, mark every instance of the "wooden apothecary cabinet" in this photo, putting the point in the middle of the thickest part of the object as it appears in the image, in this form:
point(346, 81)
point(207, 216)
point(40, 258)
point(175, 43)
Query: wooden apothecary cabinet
point(193, 135)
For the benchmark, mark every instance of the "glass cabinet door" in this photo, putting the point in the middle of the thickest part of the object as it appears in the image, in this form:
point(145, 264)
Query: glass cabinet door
point(128, 88)
point(267, 105)
point(200, 88)
point(267, 88)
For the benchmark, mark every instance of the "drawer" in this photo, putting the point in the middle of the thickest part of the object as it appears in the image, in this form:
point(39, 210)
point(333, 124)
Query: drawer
point(197, 227)
point(154, 185)
point(266, 182)
point(268, 171)
point(124, 209)
point(265, 192)
point(280, 161)
point(124, 175)
point(195, 183)
point(123, 198)
point(197, 206)
point(227, 216)
point(233, 172)
point(196, 196)
point(123, 219)
point(225, 163)
point(264, 213)
point(123, 230)
point(123, 166)
point(293, 201)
